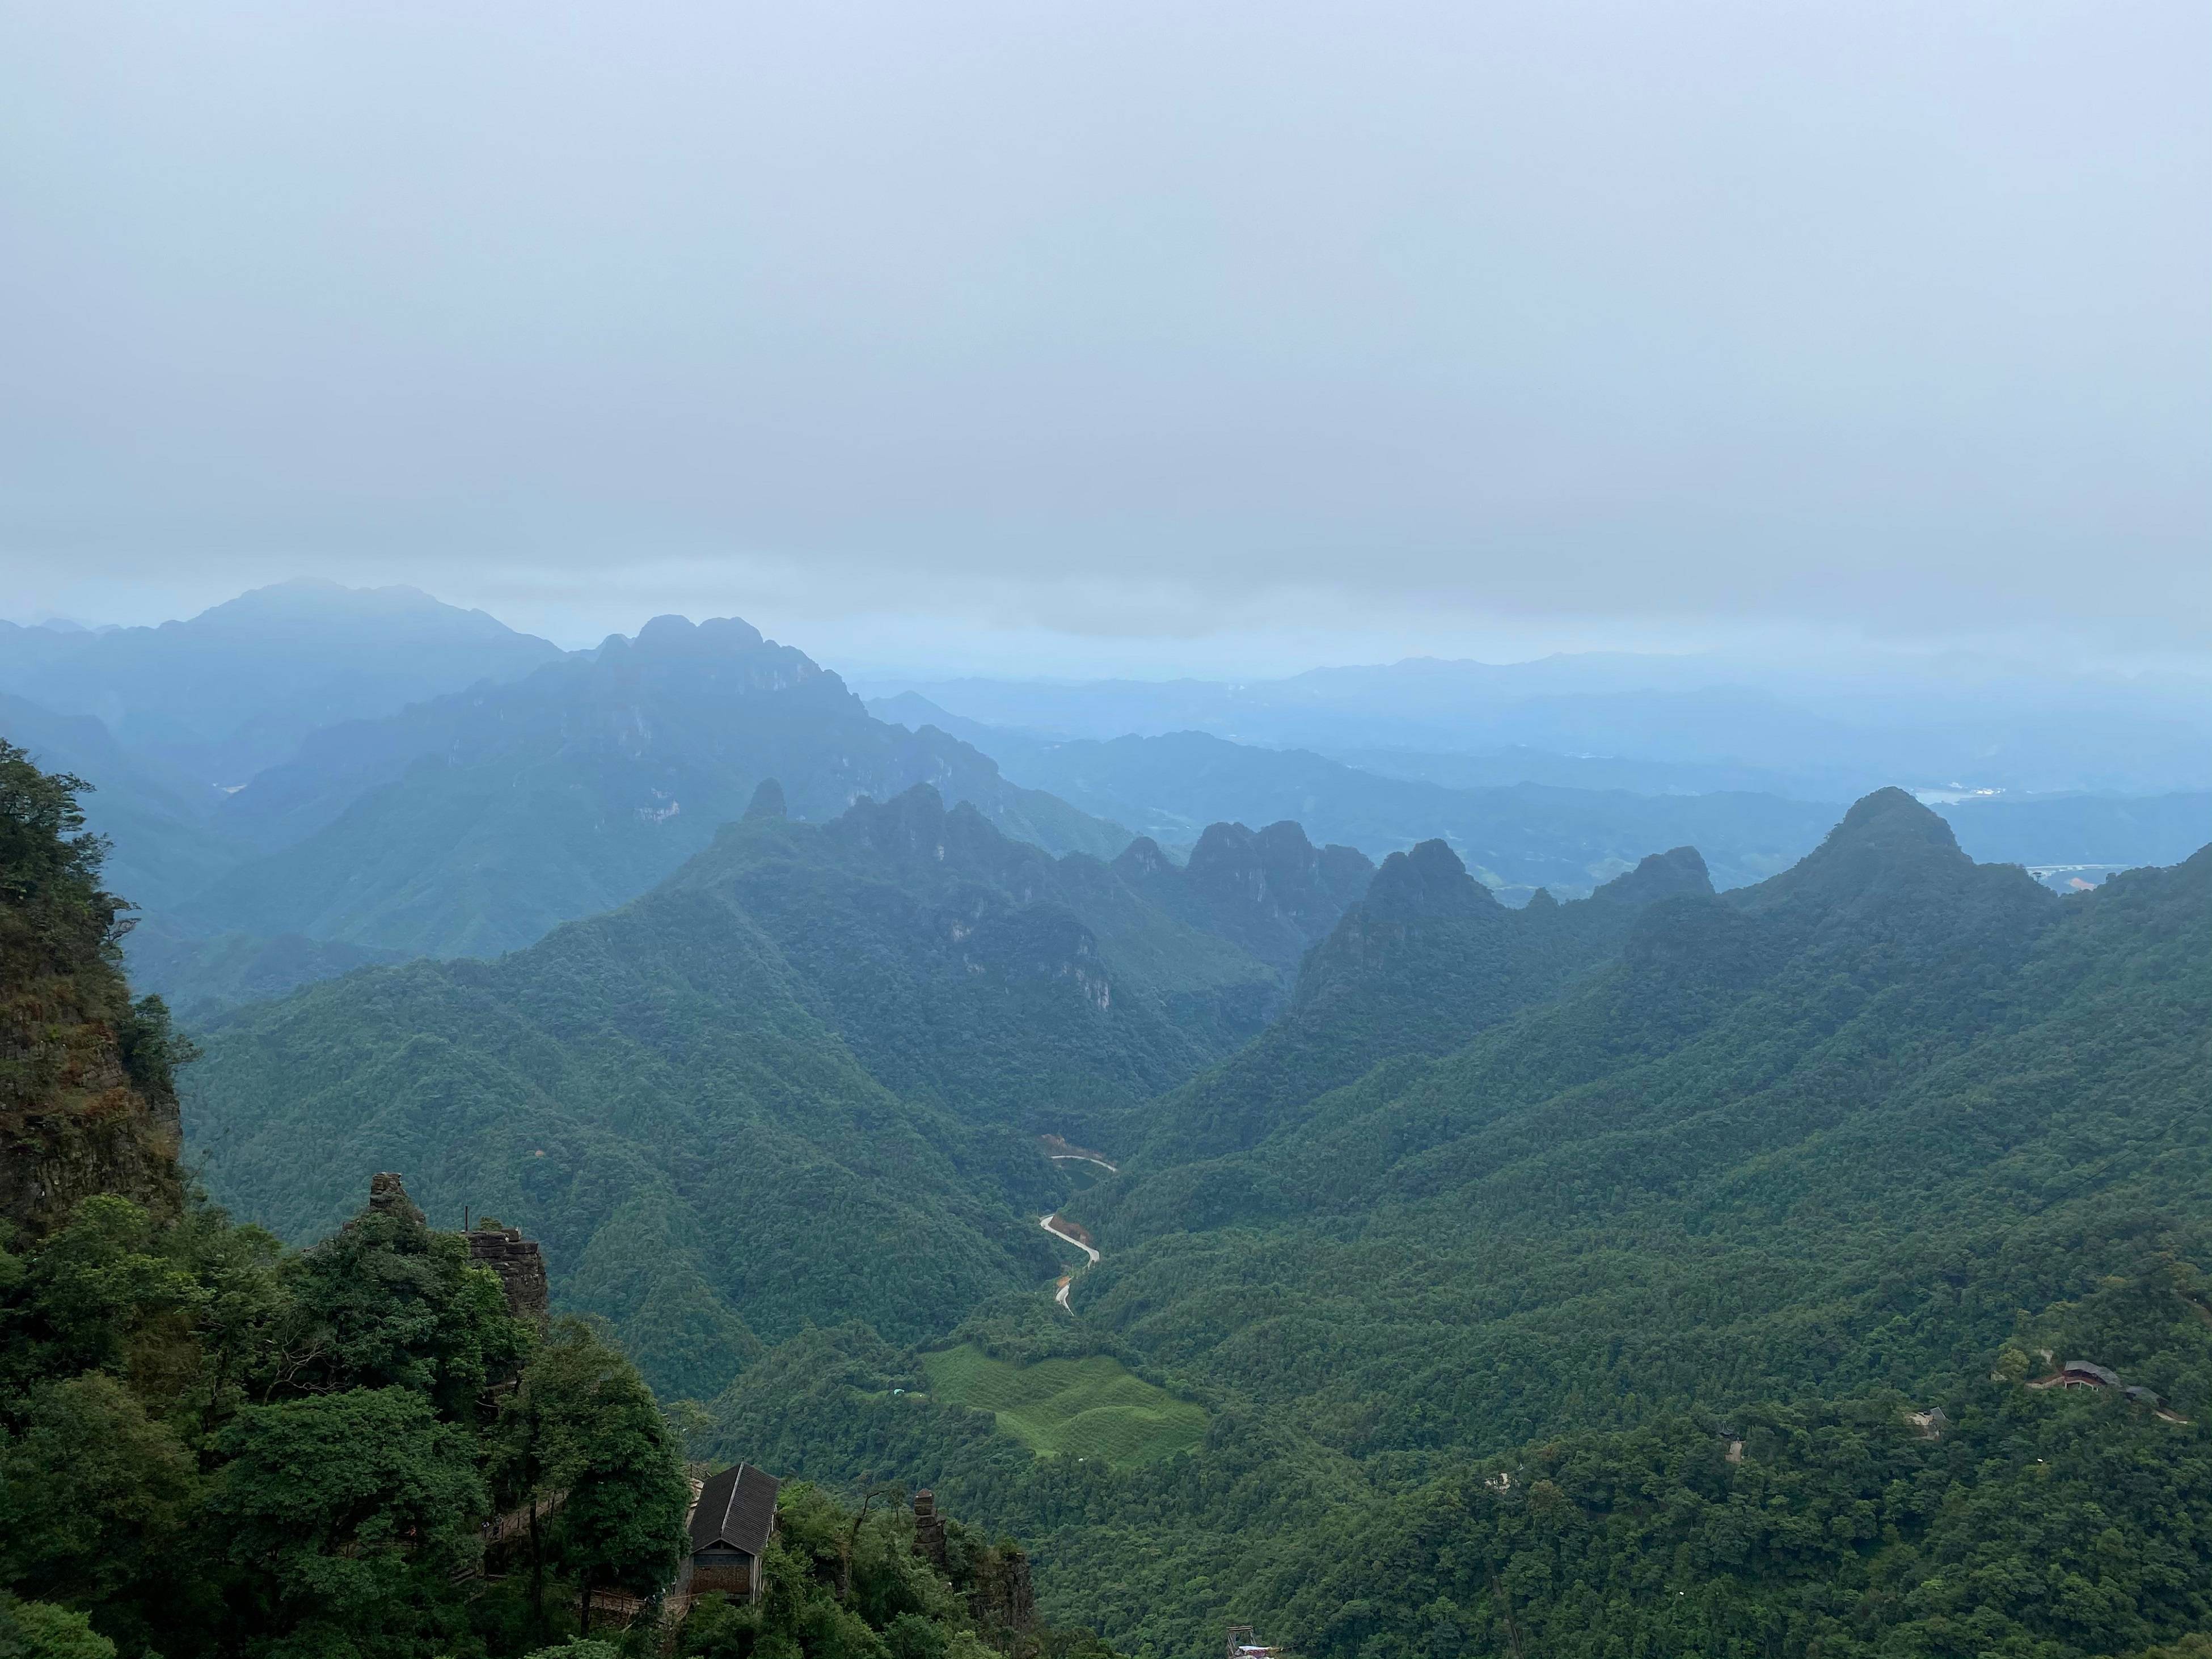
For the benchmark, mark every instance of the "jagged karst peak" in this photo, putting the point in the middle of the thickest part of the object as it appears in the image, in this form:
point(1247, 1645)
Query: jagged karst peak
point(1893, 816)
point(674, 636)
point(916, 824)
point(388, 1195)
point(1142, 858)
point(767, 802)
point(1285, 839)
point(1658, 876)
point(1427, 881)
point(1888, 843)
point(1225, 853)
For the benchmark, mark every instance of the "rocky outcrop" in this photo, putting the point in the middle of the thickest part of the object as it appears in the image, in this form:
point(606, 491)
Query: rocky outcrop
point(928, 1530)
point(88, 1103)
point(1003, 1599)
point(1271, 890)
point(388, 1195)
point(517, 1262)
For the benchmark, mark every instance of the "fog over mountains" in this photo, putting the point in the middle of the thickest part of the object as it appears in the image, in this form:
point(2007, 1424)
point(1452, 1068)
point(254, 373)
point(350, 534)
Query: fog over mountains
point(1519, 1118)
point(307, 778)
point(1012, 831)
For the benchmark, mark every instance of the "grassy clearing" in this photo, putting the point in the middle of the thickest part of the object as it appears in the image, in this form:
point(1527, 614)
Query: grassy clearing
point(1091, 1407)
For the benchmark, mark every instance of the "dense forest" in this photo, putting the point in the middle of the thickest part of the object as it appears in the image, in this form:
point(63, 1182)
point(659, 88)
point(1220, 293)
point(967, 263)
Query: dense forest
point(802, 1080)
point(1816, 1268)
point(1620, 1326)
point(212, 1444)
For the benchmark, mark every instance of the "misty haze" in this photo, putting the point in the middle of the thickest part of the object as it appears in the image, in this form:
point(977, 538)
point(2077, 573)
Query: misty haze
point(1037, 832)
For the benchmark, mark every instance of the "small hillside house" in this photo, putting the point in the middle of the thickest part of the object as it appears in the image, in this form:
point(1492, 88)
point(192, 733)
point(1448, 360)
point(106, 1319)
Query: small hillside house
point(730, 1525)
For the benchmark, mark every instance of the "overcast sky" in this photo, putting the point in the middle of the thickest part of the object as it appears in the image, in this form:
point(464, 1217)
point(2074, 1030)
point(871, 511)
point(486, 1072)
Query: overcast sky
point(1122, 334)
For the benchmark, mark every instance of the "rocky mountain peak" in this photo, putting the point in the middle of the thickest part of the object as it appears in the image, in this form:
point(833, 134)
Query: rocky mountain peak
point(1661, 875)
point(1426, 882)
point(1142, 859)
point(717, 636)
point(767, 801)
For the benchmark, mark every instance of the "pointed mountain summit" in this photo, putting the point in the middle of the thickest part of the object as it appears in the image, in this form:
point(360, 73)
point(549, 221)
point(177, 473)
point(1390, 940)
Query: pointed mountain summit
point(235, 688)
point(1890, 876)
point(1271, 891)
point(1422, 964)
point(1428, 882)
point(472, 823)
point(767, 801)
point(1661, 875)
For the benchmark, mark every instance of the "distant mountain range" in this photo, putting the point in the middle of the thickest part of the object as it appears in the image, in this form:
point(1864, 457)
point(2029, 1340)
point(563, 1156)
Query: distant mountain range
point(471, 824)
point(1812, 730)
point(1521, 835)
point(236, 688)
point(1482, 1268)
point(308, 778)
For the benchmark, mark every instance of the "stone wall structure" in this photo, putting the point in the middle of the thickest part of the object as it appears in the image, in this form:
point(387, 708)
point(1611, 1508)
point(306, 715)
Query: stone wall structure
point(517, 1262)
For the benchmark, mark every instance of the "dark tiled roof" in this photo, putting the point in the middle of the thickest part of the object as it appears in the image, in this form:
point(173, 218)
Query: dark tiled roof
point(736, 1510)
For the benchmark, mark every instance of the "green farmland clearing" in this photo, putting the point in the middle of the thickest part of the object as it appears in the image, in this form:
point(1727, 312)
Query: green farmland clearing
point(1092, 1407)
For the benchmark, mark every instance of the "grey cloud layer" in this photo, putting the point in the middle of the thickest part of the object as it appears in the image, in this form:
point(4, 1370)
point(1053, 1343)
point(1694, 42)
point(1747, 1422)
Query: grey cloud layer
point(1889, 312)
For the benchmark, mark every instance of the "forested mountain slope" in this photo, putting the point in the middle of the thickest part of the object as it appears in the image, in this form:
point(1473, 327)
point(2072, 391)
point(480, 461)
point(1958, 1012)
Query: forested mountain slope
point(800, 1080)
point(1426, 959)
point(472, 824)
point(1598, 1333)
point(158, 819)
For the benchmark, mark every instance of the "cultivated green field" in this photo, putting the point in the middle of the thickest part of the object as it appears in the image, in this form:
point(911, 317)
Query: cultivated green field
point(1091, 1407)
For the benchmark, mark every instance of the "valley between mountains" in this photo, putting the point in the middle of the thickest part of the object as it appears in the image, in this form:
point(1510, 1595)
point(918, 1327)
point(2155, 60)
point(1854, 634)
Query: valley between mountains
point(1478, 1236)
point(1659, 1264)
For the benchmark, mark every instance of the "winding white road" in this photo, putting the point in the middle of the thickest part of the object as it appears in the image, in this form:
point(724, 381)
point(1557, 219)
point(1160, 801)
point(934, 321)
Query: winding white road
point(1068, 1283)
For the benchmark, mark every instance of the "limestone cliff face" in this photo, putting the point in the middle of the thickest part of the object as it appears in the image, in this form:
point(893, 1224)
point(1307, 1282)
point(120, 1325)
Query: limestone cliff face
point(1271, 890)
point(87, 1101)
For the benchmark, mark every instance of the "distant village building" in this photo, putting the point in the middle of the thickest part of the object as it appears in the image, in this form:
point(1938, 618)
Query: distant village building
point(730, 1525)
point(1244, 1643)
point(2079, 1374)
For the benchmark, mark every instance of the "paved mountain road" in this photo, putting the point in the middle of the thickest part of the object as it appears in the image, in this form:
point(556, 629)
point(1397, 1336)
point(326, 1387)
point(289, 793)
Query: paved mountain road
point(1068, 1283)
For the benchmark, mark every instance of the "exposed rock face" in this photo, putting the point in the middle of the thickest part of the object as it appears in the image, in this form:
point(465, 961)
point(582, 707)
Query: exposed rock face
point(1270, 890)
point(1003, 1598)
point(388, 1195)
point(87, 1101)
point(517, 1262)
point(928, 1530)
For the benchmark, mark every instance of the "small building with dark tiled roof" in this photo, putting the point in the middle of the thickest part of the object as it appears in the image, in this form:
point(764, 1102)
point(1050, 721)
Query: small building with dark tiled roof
point(730, 1525)
point(2086, 1374)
